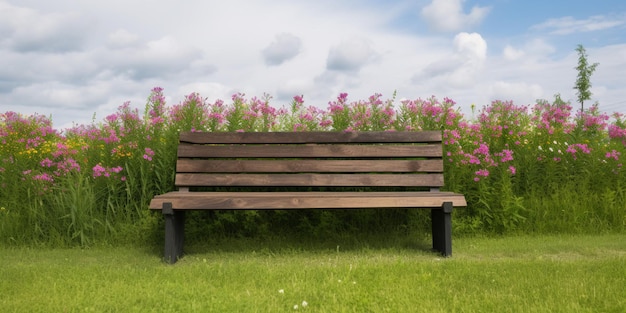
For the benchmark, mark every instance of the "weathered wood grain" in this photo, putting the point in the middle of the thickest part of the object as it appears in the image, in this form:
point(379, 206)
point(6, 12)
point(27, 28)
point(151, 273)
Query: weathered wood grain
point(307, 166)
point(309, 137)
point(304, 200)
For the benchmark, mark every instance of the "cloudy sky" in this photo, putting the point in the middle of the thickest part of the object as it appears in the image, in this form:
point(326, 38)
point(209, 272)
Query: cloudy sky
point(72, 59)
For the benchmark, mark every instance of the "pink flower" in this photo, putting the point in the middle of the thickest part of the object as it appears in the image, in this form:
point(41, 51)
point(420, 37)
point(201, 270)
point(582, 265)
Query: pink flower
point(112, 118)
point(512, 170)
point(584, 148)
point(483, 172)
point(613, 155)
point(46, 163)
point(43, 177)
point(507, 155)
point(98, 170)
point(148, 154)
point(482, 149)
point(573, 149)
point(342, 97)
point(299, 99)
point(326, 123)
point(70, 164)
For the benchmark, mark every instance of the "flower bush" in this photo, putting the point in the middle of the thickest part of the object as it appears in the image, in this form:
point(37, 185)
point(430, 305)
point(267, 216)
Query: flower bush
point(521, 168)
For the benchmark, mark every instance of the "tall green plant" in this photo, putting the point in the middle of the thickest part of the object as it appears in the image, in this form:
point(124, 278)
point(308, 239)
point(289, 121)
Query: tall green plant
point(583, 80)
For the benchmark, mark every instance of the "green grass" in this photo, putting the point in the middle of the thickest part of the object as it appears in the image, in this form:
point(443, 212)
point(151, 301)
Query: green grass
point(511, 274)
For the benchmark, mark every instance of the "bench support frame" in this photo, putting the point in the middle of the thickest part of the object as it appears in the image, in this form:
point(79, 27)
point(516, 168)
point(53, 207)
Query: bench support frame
point(174, 233)
point(441, 219)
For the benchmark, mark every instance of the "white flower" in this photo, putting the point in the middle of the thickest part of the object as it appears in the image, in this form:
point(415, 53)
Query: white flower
point(304, 304)
point(281, 291)
point(295, 307)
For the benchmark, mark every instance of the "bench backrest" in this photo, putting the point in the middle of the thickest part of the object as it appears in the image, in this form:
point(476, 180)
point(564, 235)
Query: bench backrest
point(310, 159)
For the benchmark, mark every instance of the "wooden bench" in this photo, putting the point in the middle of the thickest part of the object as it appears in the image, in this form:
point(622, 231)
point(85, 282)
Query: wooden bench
point(392, 170)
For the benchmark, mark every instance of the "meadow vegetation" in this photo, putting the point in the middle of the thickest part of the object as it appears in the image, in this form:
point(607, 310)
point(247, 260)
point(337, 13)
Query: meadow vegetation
point(547, 273)
point(524, 169)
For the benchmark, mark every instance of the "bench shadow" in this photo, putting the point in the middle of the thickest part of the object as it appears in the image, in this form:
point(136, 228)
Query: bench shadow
point(277, 245)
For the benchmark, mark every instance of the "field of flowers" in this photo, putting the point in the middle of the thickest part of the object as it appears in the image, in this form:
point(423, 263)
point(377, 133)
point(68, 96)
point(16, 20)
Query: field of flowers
point(541, 168)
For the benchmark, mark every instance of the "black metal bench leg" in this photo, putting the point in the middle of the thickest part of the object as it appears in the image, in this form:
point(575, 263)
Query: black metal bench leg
point(174, 233)
point(442, 229)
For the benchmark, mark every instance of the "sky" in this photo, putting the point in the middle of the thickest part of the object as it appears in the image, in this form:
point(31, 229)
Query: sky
point(78, 60)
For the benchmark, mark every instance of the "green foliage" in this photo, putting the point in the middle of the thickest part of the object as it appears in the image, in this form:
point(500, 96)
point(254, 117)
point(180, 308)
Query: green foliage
point(380, 273)
point(583, 79)
point(522, 169)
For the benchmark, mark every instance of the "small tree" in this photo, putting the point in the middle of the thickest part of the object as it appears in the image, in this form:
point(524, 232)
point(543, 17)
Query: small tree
point(583, 83)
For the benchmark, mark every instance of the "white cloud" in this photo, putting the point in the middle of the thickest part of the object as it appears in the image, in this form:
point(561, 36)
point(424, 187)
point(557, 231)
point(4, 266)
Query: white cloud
point(471, 46)
point(448, 15)
point(284, 47)
point(209, 90)
point(472, 50)
point(532, 54)
point(162, 57)
point(218, 47)
point(569, 25)
point(608, 79)
point(27, 30)
point(331, 83)
point(511, 53)
point(66, 95)
point(525, 93)
point(122, 38)
point(293, 87)
point(26, 68)
point(461, 67)
point(68, 103)
point(350, 55)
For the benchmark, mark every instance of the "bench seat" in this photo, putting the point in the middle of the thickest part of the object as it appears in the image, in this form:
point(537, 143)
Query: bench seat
point(184, 200)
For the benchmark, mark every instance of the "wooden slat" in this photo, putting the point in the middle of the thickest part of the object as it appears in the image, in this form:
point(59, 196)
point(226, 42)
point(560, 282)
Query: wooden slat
point(309, 151)
point(308, 137)
point(352, 180)
point(305, 200)
point(300, 166)
point(299, 194)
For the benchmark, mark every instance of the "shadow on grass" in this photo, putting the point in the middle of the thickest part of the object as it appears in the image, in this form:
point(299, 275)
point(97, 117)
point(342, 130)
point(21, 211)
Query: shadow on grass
point(311, 232)
point(285, 244)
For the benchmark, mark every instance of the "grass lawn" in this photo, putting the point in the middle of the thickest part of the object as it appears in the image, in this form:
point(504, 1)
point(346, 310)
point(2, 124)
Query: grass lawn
point(511, 274)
